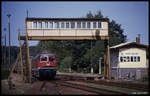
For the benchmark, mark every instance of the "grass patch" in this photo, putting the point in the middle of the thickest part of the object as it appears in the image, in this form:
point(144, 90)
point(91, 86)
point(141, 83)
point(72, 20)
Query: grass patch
point(141, 81)
point(75, 93)
point(113, 88)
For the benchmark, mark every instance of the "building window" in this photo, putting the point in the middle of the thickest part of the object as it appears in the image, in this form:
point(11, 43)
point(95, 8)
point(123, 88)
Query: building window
point(124, 59)
point(128, 59)
point(121, 59)
point(78, 24)
point(99, 25)
point(83, 25)
point(56, 24)
point(50, 25)
point(134, 58)
point(62, 25)
point(67, 24)
point(34, 24)
point(94, 24)
point(72, 24)
point(46, 24)
point(88, 24)
point(131, 58)
point(40, 24)
point(138, 58)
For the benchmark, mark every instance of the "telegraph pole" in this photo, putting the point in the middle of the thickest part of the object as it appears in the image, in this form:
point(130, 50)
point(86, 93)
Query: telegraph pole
point(27, 13)
point(91, 60)
point(9, 39)
point(2, 46)
point(5, 48)
point(100, 71)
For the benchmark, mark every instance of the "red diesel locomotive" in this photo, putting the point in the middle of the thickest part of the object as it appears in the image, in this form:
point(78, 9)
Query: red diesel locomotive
point(44, 65)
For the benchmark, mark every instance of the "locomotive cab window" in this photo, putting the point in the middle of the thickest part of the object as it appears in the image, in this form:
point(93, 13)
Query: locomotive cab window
point(44, 59)
point(51, 59)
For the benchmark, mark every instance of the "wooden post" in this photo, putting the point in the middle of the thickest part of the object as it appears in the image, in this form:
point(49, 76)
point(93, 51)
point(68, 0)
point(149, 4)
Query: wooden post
point(105, 62)
point(104, 65)
point(108, 61)
point(100, 67)
point(91, 60)
point(70, 63)
point(11, 71)
point(27, 58)
point(21, 64)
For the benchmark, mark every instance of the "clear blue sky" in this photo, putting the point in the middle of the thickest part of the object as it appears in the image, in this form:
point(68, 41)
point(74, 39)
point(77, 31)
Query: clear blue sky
point(133, 16)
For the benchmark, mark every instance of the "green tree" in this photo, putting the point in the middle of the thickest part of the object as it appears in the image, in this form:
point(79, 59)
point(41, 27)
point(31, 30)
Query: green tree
point(89, 15)
point(65, 64)
point(99, 15)
point(116, 34)
point(116, 37)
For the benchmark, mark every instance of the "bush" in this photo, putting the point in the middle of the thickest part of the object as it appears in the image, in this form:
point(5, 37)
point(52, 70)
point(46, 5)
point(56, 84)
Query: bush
point(4, 73)
point(145, 79)
point(64, 65)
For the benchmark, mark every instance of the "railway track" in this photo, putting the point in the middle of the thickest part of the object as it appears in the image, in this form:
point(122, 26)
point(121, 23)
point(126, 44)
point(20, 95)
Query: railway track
point(56, 86)
point(49, 87)
point(91, 89)
point(139, 87)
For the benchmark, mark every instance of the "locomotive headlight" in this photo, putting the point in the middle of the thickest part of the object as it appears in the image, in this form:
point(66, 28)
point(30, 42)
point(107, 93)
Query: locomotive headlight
point(47, 64)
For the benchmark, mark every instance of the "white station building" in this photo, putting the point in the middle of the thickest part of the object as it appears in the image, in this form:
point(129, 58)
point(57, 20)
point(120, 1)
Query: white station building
point(129, 60)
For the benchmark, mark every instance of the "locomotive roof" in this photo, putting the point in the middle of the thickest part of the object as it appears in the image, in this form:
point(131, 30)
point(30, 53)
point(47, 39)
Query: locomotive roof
point(44, 53)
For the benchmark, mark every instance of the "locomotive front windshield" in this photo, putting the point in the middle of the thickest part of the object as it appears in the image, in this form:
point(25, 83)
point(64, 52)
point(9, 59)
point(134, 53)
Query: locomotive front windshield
point(44, 59)
point(51, 59)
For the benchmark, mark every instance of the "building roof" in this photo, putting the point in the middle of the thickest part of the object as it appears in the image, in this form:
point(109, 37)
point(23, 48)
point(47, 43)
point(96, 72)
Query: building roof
point(129, 44)
point(60, 19)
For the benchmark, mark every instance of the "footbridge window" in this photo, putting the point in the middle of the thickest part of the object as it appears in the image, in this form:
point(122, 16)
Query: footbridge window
point(66, 25)
point(34, 25)
point(40, 25)
point(62, 25)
